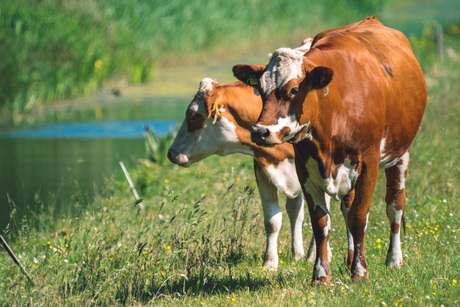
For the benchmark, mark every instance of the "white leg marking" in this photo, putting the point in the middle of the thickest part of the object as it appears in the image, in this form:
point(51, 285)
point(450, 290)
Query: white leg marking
point(360, 270)
point(295, 210)
point(345, 217)
point(272, 217)
point(402, 170)
point(319, 270)
point(394, 256)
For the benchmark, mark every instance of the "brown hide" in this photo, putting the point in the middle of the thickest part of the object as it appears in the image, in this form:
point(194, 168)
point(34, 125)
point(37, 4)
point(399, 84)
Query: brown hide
point(360, 99)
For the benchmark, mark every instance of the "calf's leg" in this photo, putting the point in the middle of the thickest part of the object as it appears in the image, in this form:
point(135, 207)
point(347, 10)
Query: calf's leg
point(272, 216)
point(295, 210)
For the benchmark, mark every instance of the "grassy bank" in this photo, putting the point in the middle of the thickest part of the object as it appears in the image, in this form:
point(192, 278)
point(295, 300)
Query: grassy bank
point(200, 240)
point(56, 49)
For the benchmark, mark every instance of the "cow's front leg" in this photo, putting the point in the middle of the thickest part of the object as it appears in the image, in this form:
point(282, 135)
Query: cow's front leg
point(311, 254)
point(295, 209)
point(321, 224)
point(272, 216)
point(358, 218)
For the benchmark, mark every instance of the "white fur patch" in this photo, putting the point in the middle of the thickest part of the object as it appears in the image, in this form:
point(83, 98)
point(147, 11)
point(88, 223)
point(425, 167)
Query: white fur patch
point(360, 269)
point(367, 222)
point(205, 86)
point(282, 177)
point(286, 122)
point(327, 228)
point(285, 65)
point(319, 270)
point(343, 183)
point(402, 170)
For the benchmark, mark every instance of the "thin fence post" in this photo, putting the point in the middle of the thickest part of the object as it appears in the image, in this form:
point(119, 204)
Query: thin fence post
point(131, 185)
point(15, 259)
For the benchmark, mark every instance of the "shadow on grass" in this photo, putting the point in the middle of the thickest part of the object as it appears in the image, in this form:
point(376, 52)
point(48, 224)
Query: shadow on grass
point(204, 285)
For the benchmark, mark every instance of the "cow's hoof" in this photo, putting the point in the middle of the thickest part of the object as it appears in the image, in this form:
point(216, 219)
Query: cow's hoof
point(299, 256)
point(358, 279)
point(321, 281)
point(393, 261)
point(270, 265)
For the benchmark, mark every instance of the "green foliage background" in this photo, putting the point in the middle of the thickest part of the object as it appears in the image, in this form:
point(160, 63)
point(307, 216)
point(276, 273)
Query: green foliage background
point(56, 49)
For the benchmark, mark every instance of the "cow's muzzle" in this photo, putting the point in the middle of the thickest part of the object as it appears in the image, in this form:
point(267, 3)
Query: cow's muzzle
point(261, 136)
point(178, 158)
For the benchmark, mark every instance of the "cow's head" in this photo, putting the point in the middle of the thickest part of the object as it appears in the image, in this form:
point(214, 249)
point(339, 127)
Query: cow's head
point(284, 85)
point(204, 128)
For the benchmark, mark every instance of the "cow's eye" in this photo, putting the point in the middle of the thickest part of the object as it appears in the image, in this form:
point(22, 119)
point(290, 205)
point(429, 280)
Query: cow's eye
point(294, 91)
point(194, 116)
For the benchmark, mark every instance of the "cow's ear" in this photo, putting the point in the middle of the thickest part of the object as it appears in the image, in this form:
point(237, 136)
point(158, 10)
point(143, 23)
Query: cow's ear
point(320, 77)
point(248, 74)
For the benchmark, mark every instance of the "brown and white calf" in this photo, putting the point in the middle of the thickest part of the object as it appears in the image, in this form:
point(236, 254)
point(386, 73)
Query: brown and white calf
point(218, 121)
point(352, 104)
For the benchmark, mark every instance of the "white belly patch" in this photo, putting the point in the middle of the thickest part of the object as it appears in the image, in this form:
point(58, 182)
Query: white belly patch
point(335, 187)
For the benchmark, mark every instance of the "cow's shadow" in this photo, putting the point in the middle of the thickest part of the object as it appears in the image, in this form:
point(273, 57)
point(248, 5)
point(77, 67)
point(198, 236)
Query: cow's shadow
point(207, 286)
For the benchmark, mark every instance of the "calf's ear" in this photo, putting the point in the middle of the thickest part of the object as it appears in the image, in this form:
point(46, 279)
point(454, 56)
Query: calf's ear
point(248, 74)
point(320, 76)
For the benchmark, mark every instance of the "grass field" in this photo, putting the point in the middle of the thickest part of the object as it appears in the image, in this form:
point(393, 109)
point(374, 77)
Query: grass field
point(200, 240)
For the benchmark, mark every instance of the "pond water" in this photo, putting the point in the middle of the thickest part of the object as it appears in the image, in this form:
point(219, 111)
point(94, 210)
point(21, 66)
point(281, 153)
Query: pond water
point(54, 163)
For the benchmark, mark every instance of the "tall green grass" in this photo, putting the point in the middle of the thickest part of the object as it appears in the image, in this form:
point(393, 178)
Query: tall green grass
point(200, 240)
point(55, 49)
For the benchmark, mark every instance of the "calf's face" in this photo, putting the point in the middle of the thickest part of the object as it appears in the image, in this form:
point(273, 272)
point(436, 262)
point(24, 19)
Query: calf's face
point(283, 84)
point(204, 129)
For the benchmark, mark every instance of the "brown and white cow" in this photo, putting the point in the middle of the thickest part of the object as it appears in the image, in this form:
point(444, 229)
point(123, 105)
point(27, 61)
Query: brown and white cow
point(218, 121)
point(352, 104)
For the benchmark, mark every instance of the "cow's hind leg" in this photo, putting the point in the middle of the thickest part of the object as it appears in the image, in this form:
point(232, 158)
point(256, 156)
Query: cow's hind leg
point(396, 200)
point(295, 210)
point(272, 216)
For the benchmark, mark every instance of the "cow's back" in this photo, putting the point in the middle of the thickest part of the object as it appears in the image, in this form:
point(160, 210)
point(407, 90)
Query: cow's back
point(378, 83)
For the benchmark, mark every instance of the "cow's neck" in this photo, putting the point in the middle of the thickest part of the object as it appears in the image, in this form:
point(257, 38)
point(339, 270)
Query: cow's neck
point(244, 119)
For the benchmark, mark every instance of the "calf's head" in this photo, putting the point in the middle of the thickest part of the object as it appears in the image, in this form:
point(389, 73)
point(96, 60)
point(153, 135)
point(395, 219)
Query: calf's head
point(204, 128)
point(284, 84)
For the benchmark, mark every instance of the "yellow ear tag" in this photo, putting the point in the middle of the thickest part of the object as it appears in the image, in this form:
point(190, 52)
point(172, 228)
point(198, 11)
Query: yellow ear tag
point(253, 81)
point(215, 107)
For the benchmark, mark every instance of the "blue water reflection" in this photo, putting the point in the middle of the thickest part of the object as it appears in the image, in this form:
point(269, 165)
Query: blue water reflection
point(102, 129)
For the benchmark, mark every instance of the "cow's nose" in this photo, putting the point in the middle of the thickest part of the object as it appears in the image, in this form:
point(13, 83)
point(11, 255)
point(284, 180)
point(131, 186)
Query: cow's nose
point(259, 135)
